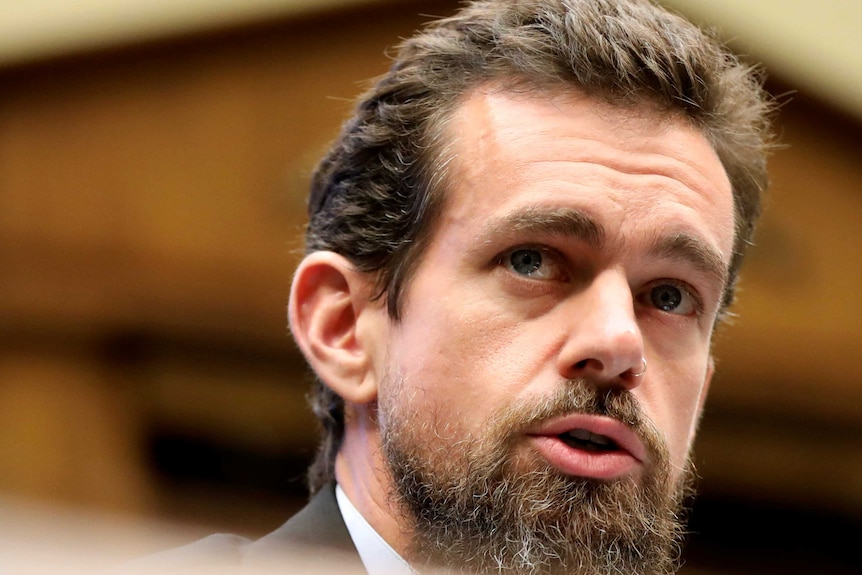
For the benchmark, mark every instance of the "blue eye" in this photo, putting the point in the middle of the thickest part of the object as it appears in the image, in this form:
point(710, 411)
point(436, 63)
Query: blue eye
point(533, 263)
point(672, 299)
point(525, 261)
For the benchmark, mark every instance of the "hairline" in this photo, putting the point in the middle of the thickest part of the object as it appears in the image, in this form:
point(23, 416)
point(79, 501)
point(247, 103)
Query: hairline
point(438, 159)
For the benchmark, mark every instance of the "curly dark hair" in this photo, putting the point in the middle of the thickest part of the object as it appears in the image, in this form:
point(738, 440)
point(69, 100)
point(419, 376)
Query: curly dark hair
point(375, 196)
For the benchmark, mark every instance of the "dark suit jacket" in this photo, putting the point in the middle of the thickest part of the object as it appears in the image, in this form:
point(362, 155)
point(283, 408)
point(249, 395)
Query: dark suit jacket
point(314, 540)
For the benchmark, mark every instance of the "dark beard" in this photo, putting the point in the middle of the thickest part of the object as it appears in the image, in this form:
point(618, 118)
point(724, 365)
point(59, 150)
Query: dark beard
point(475, 509)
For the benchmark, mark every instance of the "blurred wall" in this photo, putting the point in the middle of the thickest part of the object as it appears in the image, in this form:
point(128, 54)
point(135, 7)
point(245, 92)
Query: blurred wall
point(151, 204)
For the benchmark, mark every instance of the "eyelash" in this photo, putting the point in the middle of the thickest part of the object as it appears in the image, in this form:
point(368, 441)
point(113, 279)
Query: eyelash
point(546, 253)
point(684, 287)
point(644, 295)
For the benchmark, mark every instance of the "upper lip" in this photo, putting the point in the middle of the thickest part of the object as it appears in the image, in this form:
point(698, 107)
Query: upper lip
point(621, 434)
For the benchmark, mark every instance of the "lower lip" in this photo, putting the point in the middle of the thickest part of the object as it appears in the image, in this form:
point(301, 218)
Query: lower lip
point(588, 464)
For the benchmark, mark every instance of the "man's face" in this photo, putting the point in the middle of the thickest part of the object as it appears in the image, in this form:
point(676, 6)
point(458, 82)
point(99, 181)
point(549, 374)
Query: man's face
point(576, 240)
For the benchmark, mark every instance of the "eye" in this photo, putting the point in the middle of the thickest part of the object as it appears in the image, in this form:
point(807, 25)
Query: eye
point(531, 262)
point(673, 298)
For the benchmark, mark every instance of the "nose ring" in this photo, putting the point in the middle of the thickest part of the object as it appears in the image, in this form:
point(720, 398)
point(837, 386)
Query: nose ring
point(643, 369)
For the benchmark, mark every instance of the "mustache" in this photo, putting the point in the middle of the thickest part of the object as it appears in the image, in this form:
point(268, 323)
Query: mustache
point(583, 396)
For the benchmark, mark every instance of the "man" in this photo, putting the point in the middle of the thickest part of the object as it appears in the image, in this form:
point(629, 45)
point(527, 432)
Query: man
point(518, 251)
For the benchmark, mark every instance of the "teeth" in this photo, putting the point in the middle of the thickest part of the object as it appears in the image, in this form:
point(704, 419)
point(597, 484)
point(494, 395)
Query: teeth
point(599, 440)
point(581, 434)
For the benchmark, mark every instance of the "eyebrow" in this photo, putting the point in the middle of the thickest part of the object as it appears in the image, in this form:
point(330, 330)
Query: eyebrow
point(688, 248)
point(575, 223)
point(567, 222)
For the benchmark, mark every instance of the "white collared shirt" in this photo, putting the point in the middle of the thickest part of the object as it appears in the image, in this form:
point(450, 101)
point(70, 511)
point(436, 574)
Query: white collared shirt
point(378, 557)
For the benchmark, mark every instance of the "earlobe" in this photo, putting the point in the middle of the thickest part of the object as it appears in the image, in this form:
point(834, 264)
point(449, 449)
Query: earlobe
point(329, 301)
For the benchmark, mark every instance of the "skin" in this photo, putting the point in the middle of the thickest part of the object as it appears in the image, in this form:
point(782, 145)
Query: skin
point(478, 336)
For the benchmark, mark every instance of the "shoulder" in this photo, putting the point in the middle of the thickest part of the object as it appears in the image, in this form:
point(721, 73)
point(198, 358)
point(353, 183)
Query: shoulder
point(220, 551)
point(316, 533)
point(312, 541)
point(318, 524)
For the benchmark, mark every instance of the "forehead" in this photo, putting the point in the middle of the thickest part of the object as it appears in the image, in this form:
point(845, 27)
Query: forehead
point(635, 165)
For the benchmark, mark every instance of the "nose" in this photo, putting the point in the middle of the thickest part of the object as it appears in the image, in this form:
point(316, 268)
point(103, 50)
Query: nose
point(603, 341)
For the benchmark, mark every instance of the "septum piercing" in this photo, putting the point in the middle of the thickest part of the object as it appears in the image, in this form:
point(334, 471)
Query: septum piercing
point(643, 370)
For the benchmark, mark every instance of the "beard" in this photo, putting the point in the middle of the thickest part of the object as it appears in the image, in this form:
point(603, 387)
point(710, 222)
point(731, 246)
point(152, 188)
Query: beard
point(474, 506)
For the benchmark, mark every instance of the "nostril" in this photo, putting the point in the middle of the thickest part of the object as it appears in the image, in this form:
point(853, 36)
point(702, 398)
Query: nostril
point(616, 369)
point(590, 364)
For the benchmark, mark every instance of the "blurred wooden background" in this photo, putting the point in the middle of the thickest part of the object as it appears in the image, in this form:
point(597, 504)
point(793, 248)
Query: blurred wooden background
point(151, 206)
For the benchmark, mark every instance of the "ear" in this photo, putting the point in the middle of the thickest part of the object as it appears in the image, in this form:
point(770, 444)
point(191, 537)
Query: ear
point(333, 321)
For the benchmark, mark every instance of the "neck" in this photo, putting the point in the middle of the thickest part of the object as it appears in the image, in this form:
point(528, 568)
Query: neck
point(361, 472)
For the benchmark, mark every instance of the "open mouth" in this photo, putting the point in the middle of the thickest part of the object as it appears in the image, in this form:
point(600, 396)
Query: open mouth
point(591, 446)
point(589, 441)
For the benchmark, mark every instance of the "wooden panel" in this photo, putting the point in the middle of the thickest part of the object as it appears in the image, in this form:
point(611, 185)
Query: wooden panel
point(151, 207)
point(784, 418)
point(799, 327)
point(165, 187)
point(68, 432)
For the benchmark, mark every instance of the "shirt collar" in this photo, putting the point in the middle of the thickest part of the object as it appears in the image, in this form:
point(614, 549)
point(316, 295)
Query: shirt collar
point(378, 557)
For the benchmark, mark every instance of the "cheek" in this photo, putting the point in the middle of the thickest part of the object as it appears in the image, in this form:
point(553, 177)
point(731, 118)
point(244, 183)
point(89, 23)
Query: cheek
point(462, 358)
point(673, 394)
point(683, 403)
